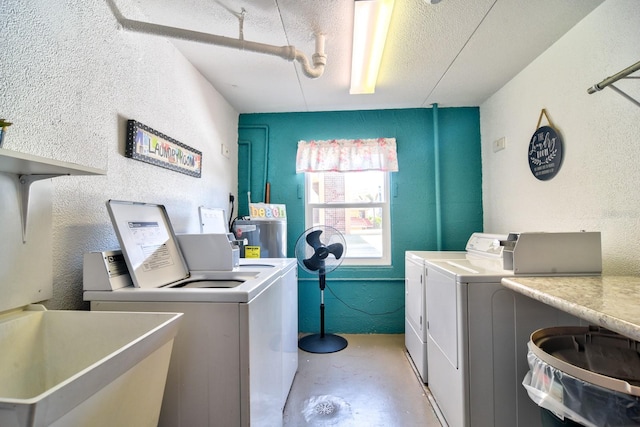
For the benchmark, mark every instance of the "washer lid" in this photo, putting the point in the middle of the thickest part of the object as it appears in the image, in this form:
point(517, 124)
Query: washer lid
point(148, 243)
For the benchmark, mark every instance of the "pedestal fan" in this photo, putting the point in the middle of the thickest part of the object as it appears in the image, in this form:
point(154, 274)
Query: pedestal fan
point(319, 251)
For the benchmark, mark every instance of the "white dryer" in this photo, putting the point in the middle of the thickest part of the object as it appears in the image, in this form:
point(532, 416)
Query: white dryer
point(415, 322)
point(415, 306)
point(477, 334)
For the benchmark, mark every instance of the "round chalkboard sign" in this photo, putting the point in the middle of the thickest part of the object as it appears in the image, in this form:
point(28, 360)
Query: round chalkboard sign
point(545, 153)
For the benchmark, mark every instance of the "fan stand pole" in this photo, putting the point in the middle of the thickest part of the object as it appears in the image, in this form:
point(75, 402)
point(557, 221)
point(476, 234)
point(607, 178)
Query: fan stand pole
point(322, 343)
point(322, 286)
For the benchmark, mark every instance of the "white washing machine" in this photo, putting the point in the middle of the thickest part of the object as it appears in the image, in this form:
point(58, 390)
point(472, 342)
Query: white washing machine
point(477, 334)
point(415, 322)
point(236, 353)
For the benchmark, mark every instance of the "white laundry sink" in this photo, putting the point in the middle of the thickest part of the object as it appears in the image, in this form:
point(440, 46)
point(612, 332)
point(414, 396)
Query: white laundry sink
point(81, 368)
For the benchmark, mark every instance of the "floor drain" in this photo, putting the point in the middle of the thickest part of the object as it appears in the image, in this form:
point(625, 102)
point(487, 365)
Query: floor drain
point(325, 408)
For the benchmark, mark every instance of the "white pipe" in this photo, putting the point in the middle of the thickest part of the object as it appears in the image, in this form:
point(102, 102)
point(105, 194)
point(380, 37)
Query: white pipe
point(289, 53)
point(319, 59)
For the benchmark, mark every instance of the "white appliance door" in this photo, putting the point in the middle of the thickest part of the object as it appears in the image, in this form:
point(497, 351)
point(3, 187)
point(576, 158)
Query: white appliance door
point(415, 297)
point(442, 309)
point(261, 359)
point(289, 282)
point(446, 327)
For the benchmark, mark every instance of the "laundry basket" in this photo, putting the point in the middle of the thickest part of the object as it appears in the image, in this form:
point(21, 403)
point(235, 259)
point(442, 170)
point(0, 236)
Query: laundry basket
point(584, 375)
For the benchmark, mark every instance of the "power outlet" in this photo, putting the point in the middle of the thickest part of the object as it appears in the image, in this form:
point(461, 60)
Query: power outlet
point(225, 151)
point(499, 144)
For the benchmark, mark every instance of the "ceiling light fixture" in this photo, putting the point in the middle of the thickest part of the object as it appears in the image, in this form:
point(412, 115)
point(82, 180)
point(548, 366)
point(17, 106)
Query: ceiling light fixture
point(370, 25)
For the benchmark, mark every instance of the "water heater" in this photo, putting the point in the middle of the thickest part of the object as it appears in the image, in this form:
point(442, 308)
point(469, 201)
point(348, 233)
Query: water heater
point(261, 238)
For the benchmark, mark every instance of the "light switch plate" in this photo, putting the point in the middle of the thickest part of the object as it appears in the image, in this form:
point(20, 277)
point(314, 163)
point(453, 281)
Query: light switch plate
point(499, 144)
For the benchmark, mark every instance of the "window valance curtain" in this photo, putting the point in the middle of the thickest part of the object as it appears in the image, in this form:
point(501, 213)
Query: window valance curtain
point(347, 155)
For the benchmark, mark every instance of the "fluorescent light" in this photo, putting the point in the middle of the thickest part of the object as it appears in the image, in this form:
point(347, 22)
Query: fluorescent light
point(370, 25)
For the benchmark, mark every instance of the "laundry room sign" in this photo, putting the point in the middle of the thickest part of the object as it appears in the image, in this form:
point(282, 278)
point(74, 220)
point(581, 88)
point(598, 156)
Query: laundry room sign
point(150, 146)
point(545, 150)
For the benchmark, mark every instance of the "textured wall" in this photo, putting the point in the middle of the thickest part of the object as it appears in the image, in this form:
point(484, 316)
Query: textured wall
point(371, 299)
point(69, 80)
point(596, 187)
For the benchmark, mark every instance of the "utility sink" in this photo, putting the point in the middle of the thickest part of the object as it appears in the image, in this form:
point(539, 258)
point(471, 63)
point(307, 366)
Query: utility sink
point(81, 368)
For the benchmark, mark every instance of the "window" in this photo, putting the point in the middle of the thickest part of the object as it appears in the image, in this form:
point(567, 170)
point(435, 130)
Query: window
point(356, 204)
point(347, 187)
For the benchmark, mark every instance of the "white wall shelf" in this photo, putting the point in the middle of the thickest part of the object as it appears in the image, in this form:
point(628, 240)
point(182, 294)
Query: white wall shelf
point(29, 168)
point(27, 164)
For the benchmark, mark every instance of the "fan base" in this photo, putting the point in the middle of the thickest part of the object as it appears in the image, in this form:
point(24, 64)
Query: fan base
point(316, 343)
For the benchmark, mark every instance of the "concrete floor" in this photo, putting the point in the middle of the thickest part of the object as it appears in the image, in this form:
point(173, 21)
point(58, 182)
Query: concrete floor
point(369, 383)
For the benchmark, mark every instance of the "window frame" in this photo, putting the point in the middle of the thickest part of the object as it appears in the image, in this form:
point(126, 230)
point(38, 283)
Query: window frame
point(385, 259)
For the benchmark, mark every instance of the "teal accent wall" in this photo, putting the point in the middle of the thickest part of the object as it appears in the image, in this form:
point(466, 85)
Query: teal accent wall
point(370, 299)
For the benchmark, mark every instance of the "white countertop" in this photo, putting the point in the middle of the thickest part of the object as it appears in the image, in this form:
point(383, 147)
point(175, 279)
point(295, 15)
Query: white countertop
point(612, 302)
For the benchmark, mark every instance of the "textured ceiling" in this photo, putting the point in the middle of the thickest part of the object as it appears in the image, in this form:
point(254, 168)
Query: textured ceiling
point(454, 53)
